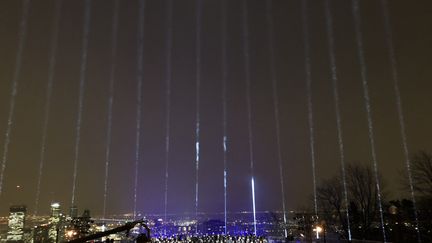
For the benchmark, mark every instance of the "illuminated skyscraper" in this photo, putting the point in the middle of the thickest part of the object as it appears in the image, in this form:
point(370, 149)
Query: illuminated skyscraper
point(54, 222)
point(55, 210)
point(16, 223)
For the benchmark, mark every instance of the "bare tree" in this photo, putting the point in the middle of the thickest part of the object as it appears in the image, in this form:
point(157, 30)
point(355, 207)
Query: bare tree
point(363, 196)
point(421, 172)
point(331, 201)
point(329, 194)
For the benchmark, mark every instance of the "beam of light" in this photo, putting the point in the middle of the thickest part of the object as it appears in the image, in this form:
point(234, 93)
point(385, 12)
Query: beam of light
point(334, 78)
point(140, 64)
point(309, 99)
point(83, 71)
point(168, 78)
point(224, 103)
point(364, 77)
point(110, 101)
point(253, 204)
point(197, 94)
point(51, 68)
point(248, 99)
point(14, 90)
point(225, 200)
point(395, 77)
point(276, 105)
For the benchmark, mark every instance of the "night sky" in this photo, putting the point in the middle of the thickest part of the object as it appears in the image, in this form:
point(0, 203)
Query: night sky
point(411, 26)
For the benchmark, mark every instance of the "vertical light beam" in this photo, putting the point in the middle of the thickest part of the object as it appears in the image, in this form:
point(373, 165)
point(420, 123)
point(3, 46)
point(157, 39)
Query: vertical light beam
point(83, 71)
point(14, 89)
point(253, 204)
point(395, 77)
point(309, 99)
point(140, 64)
point(249, 103)
point(273, 76)
point(224, 77)
point(197, 101)
point(110, 101)
point(51, 68)
point(168, 98)
point(334, 78)
point(364, 78)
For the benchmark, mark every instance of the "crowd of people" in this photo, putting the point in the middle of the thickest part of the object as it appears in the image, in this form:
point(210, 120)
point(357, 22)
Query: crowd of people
point(212, 239)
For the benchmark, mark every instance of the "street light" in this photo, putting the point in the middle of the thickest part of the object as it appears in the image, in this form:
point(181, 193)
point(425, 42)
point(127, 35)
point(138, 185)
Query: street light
point(318, 229)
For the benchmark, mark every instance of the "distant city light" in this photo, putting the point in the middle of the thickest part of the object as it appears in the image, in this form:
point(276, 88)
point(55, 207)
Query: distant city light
point(71, 233)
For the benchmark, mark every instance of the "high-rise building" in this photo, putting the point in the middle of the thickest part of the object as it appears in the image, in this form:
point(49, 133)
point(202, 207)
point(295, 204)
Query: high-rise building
point(54, 222)
point(73, 212)
point(55, 209)
point(16, 223)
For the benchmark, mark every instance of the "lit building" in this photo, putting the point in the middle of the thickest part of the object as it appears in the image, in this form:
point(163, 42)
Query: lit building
point(16, 223)
point(54, 222)
point(55, 210)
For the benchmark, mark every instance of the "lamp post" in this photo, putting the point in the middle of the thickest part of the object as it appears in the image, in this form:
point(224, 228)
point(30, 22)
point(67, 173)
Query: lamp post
point(318, 229)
